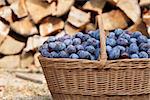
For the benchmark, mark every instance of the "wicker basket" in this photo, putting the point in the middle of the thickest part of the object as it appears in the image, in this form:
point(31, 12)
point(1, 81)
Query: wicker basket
point(76, 79)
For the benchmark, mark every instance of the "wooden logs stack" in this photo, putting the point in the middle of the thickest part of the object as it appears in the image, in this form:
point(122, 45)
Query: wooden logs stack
point(26, 24)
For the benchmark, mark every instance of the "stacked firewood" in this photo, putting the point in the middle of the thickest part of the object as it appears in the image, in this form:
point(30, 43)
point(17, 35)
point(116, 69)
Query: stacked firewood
point(26, 24)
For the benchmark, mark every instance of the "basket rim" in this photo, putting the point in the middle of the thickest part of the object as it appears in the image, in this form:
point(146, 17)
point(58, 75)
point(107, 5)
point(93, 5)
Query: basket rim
point(68, 59)
point(66, 63)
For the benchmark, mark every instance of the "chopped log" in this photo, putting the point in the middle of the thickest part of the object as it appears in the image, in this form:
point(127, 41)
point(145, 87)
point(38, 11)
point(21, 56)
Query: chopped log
point(63, 7)
point(139, 26)
point(78, 18)
point(29, 45)
point(35, 69)
point(10, 1)
point(6, 13)
point(38, 9)
point(114, 2)
point(4, 29)
point(49, 1)
point(2, 89)
point(24, 27)
point(53, 8)
point(131, 8)
point(10, 62)
point(144, 2)
point(26, 59)
point(114, 19)
point(146, 19)
point(36, 60)
point(25, 70)
point(148, 30)
point(34, 42)
point(71, 30)
point(19, 8)
point(2, 2)
point(31, 77)
point(52, 24)
point(90, 27)
point(94, 5)
point(11, 46)
point(2, 38)
point(60, 34)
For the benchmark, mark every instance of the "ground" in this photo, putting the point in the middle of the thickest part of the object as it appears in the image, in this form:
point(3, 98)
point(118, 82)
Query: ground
point(14, 88)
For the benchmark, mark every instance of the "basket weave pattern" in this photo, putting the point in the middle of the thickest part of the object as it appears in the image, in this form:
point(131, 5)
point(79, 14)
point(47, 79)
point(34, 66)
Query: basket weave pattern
point(78, 79)
point(83, 77)
point(81, 97)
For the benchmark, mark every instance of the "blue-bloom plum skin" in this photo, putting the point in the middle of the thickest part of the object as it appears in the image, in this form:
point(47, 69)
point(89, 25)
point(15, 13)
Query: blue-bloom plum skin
point(45, 52)
point(118, 32)
point(71, 49)
point(125, 36)
point(79, 35)
point(122, 49)
point(131, 45)
point(68, 42)
point(110, 41)
point(97, 53)
point(83, 54)
point(66, 37)
point(74, 56)
point(143, 54)
point(92, 42)
point(148, 41)
point(90, 49)
point(134, 56)
point(61, 39)
point(142, 39)
point(84, 44)
point(54, 54)
point(144, 46)
point(108, 48)
point(122, 42)
point(76, 41)
point(52, 45)
point(60, 46)
point(85, 37)
point(127, 50)
point(51, 39)
point(133, 48)
point(92, 57)
point(133, 40)
point(136, 34)
point(63, 54)
point(79, 47)
point(148, 52)
point(115, 53)
point(112, 35)
point(95, 34)
point(44, 46)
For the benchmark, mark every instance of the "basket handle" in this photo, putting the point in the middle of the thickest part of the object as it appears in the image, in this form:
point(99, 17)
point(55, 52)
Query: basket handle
point(103, 57)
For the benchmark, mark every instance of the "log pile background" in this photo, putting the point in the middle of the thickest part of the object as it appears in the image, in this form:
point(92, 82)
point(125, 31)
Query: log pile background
point(26, 24)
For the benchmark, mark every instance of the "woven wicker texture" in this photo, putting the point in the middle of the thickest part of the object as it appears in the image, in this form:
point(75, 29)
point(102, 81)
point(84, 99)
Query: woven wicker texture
point(88, 78)
point(78, 79)
point(81, 97)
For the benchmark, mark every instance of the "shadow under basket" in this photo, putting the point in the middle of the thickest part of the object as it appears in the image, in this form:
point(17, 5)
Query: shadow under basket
point(78, 79)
